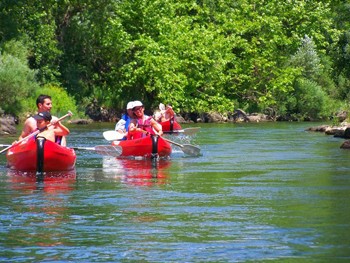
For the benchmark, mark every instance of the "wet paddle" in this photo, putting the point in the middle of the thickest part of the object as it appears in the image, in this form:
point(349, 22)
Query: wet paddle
point(108, 150)
point(186, 148)
point(5, 145)
point(116, 136)
point(35, 133)
point(113, 135)
point(187, 131)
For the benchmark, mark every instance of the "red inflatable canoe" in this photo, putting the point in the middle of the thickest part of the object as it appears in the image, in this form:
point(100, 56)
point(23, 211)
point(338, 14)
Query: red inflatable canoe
point(53, 157)
point(145, 147)
point(170, 125)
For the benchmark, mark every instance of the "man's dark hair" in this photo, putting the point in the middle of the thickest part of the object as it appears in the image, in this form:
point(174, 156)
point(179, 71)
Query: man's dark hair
point(41, 99)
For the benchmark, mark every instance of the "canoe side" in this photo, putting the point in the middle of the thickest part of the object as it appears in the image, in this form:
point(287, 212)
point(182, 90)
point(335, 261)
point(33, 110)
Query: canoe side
point(23, 157)
point(143, 147)
point(166, 126)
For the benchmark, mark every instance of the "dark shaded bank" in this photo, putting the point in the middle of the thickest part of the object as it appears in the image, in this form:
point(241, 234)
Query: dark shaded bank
point(105, 115)
point(98, 114)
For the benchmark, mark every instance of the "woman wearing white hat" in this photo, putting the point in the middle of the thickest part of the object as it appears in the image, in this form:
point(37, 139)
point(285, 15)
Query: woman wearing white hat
point(142, 125)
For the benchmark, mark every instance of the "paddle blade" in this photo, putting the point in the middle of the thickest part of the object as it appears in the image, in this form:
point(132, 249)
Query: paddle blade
point(187, 131)
point(161, 106)
point(109, 150)
point(191, 131)
point(191, 150)
point(113, 135)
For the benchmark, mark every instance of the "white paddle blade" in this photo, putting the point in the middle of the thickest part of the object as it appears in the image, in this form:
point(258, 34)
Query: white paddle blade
point(113, 135)
point(191, 131)
point(187, 131)
point(161, 106)
point(109, 150)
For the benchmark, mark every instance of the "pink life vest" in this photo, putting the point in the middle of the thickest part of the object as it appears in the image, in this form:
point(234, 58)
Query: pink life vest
point(144, 124)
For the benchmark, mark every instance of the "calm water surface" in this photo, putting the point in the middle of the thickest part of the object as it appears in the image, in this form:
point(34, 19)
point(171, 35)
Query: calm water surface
point(259, 192)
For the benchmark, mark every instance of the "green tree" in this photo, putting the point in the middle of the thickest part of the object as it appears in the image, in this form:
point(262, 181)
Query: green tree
point(199, 55)
point(33, 22)
point(17, 80)
point(61, 101)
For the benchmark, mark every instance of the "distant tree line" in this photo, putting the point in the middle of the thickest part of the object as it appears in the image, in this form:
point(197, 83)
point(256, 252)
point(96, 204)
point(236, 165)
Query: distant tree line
point(288, 58)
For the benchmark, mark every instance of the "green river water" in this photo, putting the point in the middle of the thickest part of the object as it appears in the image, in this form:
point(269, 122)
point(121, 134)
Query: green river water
point(267, 192)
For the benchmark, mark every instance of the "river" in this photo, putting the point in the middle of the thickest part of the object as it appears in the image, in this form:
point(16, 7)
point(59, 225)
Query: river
point(268, 192)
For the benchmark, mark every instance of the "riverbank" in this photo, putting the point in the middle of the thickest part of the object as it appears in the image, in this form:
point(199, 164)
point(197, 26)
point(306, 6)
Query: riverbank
point(340, 131)
point(7, 125)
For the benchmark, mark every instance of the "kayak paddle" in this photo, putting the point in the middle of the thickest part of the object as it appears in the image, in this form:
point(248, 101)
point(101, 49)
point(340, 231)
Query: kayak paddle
point(116, 136)
point(187, 131)
point(5, 145)
point(186, 148)
point(113, 135)
point(36, 132)
point(109, 150)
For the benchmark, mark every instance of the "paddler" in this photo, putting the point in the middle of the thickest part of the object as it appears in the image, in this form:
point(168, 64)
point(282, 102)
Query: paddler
point(164, 113)
point(43, 103)
point(142, 125)
point(43, 119)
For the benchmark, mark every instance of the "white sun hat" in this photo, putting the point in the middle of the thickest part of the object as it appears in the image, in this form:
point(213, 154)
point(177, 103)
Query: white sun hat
point(130, 105)
point(137, 103)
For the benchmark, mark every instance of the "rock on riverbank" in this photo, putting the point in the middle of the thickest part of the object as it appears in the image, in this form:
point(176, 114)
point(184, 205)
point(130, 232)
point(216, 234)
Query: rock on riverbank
point(341, 131)
point(7, 126)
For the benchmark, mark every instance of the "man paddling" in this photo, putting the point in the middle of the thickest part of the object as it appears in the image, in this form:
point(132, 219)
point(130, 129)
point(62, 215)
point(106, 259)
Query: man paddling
point(43, 103)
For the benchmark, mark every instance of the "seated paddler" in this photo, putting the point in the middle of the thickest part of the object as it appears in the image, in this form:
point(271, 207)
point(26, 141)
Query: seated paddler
point(56, 131)
point(143, 125)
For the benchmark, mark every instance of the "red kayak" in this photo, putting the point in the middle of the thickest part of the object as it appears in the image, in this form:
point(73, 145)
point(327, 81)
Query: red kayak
point(53, 157)
point(170, 125)
point(145, 147)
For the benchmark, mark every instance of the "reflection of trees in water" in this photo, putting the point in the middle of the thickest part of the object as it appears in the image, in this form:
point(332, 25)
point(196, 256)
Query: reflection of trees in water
point(42, 206)
point(140, 171)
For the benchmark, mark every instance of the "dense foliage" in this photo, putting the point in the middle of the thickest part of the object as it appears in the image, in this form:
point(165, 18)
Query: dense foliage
point(17, 80)
point(282, 57)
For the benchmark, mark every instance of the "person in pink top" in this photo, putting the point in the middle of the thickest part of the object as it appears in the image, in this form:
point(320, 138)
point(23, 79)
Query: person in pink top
point(164, 113)
point(143, 125)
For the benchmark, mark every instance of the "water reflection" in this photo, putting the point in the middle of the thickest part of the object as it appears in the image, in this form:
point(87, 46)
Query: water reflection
point(259, 193)
point(140, 171)
point(51, 183)
point(41, 206)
